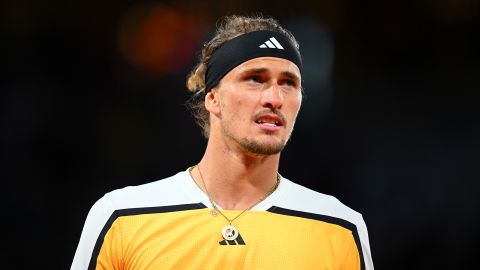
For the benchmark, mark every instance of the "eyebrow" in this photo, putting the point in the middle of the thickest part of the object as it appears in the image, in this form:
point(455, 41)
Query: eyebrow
point(290, 75)
point(255, 70)
point(261, 70)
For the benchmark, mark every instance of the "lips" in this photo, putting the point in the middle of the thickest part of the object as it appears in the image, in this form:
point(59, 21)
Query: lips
point(270, 120)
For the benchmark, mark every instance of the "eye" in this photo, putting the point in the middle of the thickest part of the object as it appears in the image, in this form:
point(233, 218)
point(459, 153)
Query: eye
point(289, 83)
point(254, 78)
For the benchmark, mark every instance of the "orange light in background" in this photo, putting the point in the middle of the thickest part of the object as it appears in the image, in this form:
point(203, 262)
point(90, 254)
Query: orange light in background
point(159, 40)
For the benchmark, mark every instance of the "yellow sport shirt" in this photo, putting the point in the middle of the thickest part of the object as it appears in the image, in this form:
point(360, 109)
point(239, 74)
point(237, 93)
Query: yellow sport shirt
point(167, 225)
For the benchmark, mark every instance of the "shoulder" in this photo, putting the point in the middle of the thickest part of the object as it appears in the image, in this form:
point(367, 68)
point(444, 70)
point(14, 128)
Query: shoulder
point(300, 201)
point(166, 193)
point(163, 192)
point(303, 199)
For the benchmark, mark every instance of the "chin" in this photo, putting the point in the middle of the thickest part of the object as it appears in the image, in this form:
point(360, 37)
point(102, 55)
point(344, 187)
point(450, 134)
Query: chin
point(263, 148)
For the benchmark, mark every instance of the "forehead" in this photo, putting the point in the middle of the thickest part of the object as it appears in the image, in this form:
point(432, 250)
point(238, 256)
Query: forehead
point(272, 64)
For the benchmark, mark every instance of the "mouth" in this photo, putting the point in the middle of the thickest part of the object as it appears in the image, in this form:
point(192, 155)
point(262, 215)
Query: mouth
point(270, 120)
point(273, 124)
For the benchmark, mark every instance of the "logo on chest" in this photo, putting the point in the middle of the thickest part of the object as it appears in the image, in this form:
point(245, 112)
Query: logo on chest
point(237, 241)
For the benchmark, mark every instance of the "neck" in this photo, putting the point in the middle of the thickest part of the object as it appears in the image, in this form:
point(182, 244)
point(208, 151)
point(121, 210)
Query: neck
point(234, 180)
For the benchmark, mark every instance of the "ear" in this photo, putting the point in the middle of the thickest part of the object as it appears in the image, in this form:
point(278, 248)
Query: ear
point(212, 102)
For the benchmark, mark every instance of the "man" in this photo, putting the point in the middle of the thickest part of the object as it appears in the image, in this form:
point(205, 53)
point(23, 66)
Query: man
point(232, 210)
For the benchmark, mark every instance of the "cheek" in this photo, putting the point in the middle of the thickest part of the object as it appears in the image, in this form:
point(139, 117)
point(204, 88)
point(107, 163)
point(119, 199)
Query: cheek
point(233, 109)
point(239, 104)
point(295, 105)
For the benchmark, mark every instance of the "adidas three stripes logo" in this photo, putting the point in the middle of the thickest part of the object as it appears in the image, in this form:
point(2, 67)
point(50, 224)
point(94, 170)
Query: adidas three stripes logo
point(272, 43)
point(237, 241)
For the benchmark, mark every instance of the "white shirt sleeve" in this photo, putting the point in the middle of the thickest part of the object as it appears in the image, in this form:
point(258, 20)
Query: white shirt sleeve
point(97, 217)
point(365, 243)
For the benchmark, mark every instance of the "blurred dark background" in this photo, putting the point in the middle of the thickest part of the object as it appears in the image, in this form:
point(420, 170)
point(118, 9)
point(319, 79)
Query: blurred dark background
point(93, 92)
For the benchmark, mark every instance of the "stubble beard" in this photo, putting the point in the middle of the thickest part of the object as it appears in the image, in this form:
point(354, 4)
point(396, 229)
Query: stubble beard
point(262, 149)
point(256, 147)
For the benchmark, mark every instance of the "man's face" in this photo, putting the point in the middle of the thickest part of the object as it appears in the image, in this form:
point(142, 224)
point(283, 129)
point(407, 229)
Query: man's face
point(258, 103)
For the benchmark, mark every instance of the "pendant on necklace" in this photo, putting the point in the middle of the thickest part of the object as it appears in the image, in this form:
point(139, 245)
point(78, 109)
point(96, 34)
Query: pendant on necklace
point(229, 232)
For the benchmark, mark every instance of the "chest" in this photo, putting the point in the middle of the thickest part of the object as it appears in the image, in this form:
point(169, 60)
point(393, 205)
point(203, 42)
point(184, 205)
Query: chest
point(194, 241)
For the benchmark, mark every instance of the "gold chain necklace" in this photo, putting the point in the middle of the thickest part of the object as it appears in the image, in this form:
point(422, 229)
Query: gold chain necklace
point(229, 232)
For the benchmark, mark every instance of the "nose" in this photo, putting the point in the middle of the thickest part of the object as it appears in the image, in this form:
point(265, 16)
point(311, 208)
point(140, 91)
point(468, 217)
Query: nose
point(272, 97)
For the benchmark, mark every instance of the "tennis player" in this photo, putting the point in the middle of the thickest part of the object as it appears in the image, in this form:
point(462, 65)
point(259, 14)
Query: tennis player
point(232, 210)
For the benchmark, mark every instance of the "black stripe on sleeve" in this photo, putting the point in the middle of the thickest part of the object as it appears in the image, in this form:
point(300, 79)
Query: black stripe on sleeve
point(333, 220)
point(131, 212)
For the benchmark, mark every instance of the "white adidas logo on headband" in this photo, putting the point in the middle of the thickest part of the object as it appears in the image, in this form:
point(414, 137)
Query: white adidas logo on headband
point(272, 43)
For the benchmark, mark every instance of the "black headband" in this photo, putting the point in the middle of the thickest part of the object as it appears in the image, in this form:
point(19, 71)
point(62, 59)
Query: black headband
point(245, 47)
